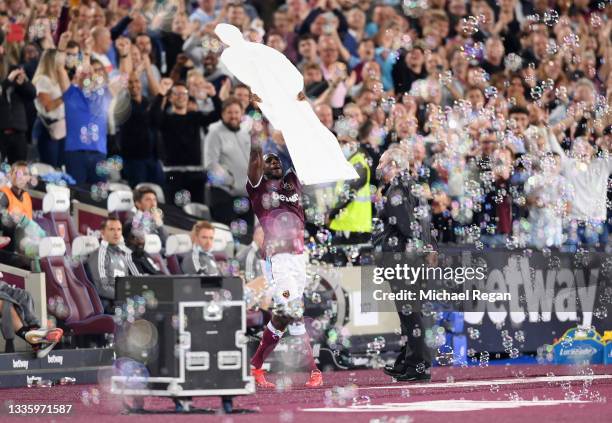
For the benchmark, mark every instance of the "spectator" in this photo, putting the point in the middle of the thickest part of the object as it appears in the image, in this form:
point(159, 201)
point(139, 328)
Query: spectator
point(307, 49)
point(146, 71)
point(137, 140)
point(102, 43)
point(588, 175)
point(251, 258)
point(227, 155)
point(148, 218)
point(111, 260)
point(549, 196)
point(16, 93)
point(205, 12)
point(201, 261)
point(443, 224)
point(180, 135)
point(86, 101)
point(50, 127)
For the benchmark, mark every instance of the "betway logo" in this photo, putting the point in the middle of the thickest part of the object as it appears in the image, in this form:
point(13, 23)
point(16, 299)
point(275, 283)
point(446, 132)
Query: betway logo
point(578, 351)
point(293, 199)
point(57, 359)
point(20, 364)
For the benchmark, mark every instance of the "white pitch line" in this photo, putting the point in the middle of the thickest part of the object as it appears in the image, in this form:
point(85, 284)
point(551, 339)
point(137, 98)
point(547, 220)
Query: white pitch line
point(474, 383)
point(442, 406)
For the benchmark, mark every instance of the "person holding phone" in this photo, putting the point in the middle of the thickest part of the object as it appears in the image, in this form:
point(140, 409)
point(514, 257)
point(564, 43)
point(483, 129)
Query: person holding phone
point(50, 125)
point(16, 92)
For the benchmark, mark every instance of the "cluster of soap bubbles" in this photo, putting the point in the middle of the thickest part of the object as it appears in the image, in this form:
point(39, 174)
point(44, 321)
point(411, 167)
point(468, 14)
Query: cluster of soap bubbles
point(182, 198)
point(58, 307)
point(99, 191)
point(241, 205)
point(90, 397)
point(211, 45)
point(132, 310)
point(113, 164)
point(239, 227)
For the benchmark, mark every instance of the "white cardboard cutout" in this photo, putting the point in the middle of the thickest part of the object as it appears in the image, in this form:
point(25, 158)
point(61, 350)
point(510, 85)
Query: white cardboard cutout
point(314, 150)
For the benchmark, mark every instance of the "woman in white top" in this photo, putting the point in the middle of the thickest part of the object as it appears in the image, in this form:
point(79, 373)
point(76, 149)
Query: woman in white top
point(50, 126)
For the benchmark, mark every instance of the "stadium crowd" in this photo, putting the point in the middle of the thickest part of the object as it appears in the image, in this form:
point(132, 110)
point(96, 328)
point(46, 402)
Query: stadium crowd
point(499, 110)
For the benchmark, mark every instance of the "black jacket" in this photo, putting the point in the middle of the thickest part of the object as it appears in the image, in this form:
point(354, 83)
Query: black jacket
point(180, 134)
point(13, 102)
point(397, 215)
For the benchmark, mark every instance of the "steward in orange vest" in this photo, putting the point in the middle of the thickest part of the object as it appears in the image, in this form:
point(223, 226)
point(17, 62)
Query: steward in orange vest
point(15, 199)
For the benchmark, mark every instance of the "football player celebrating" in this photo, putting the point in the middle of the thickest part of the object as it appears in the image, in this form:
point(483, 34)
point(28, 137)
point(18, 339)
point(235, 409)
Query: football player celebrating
point(276, 199)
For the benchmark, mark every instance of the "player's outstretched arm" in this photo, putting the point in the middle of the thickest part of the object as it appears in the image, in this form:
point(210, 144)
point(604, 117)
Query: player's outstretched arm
point(255, 171)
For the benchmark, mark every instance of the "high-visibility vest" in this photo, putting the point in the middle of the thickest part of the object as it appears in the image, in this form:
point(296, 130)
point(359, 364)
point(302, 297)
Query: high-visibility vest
point(357, 215)
point(15, 205)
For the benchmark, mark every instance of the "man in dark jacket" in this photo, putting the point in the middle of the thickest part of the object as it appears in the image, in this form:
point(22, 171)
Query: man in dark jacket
point(398, 216)
point(16, 93)
point(180, 134)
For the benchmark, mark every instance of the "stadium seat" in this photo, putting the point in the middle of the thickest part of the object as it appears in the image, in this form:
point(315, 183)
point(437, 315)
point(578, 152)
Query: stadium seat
point(153, 248)
point(197, 210)
point(120, 204)
point(56, 210)
point(223, 244)
point(159, 192)
point(175, 246)
point(118, 186)
point(83, 314)
point(82, 247)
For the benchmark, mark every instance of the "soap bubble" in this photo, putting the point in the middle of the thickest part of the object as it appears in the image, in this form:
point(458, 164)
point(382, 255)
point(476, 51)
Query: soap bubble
point(469, 25)
point(551, 17)
point(182, 198)
point(361, 400)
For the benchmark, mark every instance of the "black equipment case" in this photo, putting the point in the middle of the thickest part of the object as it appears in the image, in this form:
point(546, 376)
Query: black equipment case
point(201, 349)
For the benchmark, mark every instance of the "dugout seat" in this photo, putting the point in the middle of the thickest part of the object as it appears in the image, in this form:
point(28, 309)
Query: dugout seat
point(197, 210)
point(82, 247)
point(177, 245)
point(121, 205)
point(153, 247)
point(223, 244)
point(81, 312)
point(56, 210)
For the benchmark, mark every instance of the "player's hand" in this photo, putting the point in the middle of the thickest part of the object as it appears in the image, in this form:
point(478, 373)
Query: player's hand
point(301, 96)
point(255, 99)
